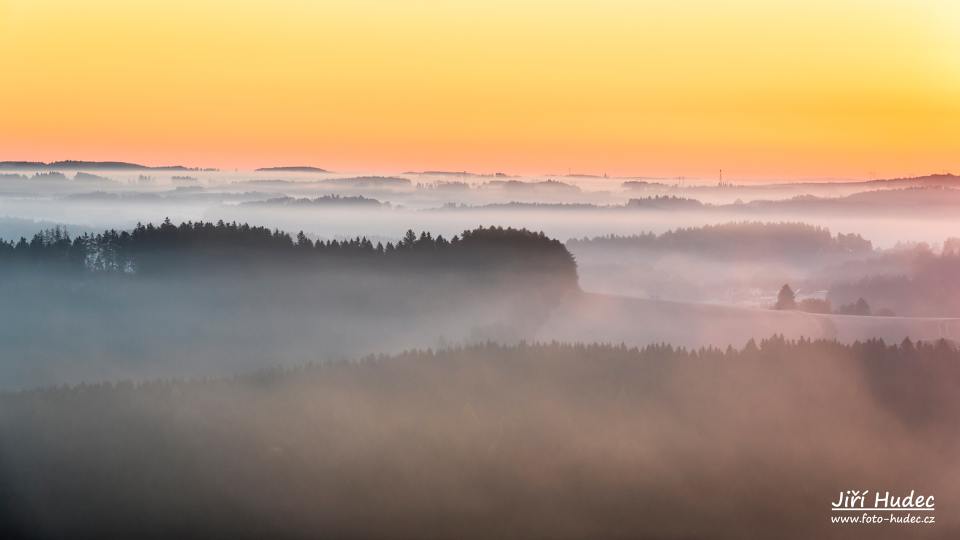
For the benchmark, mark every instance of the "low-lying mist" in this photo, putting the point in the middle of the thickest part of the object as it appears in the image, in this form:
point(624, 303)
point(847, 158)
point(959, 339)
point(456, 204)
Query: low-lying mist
point(563, 206)
point(205, 299)
point(213, 299)
point(530, 441)
point(118, 340)
point(742, 263)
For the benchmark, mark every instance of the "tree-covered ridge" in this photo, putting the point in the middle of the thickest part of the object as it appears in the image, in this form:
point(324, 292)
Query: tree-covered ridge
point(665, 202)
point(168, 247)
point(499, 439)
point(921, 358)
point(325, 200)
point(738, 239)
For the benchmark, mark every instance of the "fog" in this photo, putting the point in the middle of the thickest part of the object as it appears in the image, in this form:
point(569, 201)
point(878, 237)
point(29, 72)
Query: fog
point(533, 441)
point(204, 299)
point(564, 207)
point(57, 333)
point(185, 353)
point(733, 256)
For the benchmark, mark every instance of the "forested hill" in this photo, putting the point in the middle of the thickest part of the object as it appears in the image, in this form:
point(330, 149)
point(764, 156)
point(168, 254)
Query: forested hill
point(204, 298)
point(93, 165)
point(736, 240)
point(195, 246)
point(503, 440)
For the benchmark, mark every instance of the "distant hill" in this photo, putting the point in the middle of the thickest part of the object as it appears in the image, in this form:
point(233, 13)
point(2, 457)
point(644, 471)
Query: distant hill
point(443, 173)
point(665, 203)
point(922, 199)
point(523, 206)
point(96, 165)
point(326, 200)
point(735, 240)
point(460, 173)
point(642, 184)
point(918, 198)
point(520, 186)
point(297, 168)
point(87, 177)
point(942, 179)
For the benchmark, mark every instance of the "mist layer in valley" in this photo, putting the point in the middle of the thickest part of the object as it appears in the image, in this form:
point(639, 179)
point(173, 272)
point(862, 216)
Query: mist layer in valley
point(200, 298)
point(195, 353)
point(205, 299)
point(526, 441)
point(333, 205)
point(667, 269)
point(720, 264)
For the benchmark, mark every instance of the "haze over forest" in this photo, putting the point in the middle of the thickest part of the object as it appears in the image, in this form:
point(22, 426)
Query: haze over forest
point(304, 352)
point(715, 255)
point(468, 269)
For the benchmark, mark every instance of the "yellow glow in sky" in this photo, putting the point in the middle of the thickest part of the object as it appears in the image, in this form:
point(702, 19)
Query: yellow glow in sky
point(760, 88)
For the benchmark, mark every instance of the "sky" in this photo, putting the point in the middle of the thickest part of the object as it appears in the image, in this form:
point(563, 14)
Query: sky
point(760, 88)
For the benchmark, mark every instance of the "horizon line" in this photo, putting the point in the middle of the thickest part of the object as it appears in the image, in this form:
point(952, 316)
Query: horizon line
point(119, 164)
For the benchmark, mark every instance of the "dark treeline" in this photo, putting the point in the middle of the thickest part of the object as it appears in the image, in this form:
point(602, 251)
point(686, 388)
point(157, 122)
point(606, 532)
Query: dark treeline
point(325, 200)
point(737, 240)
point(215, 298)
point(152, 249)
point(665, 202)
point(492, 441)
point(518, 185)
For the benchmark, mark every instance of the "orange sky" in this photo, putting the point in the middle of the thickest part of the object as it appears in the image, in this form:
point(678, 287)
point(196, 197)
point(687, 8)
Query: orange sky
point(761, 88)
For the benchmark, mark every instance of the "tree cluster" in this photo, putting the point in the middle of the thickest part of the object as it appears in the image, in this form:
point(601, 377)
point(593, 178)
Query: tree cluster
point(787, 300)
point(223, 246)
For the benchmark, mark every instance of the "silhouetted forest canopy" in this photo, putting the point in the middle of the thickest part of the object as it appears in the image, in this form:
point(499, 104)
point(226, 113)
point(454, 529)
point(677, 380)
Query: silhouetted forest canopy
point(212, 298)
point(736, 240)
point(487, 441)
point(665, 202)
point(519, 206)
point(165, 248)
point(294, 168)
point(325, 200)
point(518, 185)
